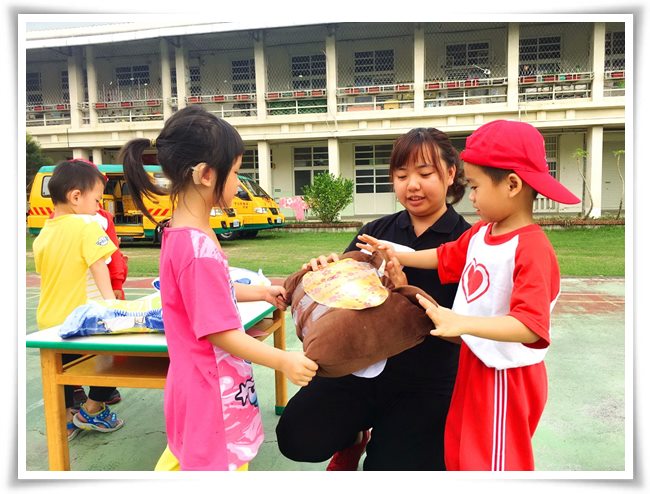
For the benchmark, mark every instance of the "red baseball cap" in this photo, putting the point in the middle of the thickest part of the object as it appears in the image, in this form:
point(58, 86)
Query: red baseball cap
point(516, 146)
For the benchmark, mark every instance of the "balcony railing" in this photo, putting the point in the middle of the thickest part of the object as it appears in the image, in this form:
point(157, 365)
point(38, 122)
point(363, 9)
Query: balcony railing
point(129, 111)
point(296, 102)
point(614, 83)
point(465, 92)
point(48, 114)
point(555, 86)
point(226, 105)
point(379, 97)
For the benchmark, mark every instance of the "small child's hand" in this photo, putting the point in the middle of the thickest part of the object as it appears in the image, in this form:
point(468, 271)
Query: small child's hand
point(277, 296)
point(447, 322)
point(299, 369)
point(316, 263)
point(387, 252)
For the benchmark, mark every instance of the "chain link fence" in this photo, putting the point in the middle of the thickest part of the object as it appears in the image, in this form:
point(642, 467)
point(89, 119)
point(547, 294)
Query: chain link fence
point(221, 73)
point(465, 63)
point(296, 70)
point(374, 66)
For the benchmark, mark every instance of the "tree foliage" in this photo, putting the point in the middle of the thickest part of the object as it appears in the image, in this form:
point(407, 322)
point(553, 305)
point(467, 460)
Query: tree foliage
point(328, 195)
point(34, 159)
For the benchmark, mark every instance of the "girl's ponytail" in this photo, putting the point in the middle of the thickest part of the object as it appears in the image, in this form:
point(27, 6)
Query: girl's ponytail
point(136, 177)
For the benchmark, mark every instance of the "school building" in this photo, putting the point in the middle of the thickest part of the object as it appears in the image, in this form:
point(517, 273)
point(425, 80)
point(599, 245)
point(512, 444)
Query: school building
point(333, 97)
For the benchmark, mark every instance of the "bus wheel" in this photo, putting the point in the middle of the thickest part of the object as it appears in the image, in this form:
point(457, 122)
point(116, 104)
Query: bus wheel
point(229, 235)
point(157, 234)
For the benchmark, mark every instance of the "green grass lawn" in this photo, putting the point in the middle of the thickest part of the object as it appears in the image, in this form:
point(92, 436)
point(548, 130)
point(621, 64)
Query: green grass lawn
point(581, 251)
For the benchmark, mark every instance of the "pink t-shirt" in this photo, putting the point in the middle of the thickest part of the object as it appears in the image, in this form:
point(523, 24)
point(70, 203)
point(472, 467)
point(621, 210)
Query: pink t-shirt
point(211, 410)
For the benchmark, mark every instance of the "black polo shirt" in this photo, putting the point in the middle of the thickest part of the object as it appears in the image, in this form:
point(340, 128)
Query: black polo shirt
point(433, 362)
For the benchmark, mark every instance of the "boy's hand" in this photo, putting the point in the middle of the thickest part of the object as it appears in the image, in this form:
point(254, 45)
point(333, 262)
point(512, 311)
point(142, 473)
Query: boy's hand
point(277, 296)
point(316, 263)
point(299, 369)
point(447, 322)
point(387, 252)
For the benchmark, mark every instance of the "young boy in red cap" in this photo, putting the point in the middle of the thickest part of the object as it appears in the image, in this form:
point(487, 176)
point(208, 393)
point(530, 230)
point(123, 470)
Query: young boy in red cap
point(509, 282)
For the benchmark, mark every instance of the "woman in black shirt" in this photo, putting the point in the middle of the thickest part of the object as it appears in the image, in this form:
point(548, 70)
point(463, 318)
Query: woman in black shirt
point(395, 409)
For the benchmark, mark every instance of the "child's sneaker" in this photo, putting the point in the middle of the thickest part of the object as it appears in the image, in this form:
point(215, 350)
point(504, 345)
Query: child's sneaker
point(79, 397)
point(102, 421)
point(348, 458)
point(115, 397)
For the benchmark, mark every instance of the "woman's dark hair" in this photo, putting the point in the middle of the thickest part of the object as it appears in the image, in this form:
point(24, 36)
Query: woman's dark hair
point(190, 136)
point(72, 175)
point(432, 146)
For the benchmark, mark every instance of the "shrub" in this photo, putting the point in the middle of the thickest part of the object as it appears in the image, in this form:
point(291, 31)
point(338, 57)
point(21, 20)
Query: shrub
point(328, 195)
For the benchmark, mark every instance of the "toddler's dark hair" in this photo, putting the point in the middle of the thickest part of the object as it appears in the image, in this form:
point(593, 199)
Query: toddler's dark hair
point(430, 144)
point(498, 175)
point(72, 175)
point(190, 136)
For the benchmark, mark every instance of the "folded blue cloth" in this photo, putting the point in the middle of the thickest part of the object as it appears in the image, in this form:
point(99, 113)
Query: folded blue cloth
point(113, 317)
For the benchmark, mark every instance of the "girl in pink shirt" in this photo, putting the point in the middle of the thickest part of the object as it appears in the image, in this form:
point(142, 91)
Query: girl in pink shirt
point(211, 409)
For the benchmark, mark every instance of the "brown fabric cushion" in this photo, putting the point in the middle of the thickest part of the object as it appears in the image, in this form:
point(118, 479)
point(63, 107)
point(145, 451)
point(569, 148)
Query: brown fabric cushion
point(342, 341)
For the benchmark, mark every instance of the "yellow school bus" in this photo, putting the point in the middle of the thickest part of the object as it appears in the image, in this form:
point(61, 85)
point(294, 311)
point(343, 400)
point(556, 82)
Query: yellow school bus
point(258, 210)
point(130, 223)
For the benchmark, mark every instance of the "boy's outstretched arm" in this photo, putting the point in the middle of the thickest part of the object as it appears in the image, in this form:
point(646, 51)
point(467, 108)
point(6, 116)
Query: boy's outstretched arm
point(102, 277)
point(499, 328)
point(424, 259)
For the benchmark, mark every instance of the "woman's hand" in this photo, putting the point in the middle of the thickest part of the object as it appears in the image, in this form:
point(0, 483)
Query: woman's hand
point(319, 262)
point(393, 270)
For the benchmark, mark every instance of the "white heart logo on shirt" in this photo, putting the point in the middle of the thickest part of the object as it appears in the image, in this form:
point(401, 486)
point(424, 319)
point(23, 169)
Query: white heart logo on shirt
point(475, 281)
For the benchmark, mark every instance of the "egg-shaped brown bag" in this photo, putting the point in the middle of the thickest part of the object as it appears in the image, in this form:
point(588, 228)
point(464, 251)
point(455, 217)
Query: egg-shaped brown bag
point(343, 341)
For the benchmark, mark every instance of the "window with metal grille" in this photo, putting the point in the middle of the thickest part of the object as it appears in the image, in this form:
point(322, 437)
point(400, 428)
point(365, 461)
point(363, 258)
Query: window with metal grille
point(307, 163)
point(65, 86)
point(195, 80)
point(308, 71)
point(374, 67)
point(551, 154)
point(539, 55)
point(467, 60)
point(136, 75)
point(250, 164)
point(615, 50)
point(243, 71)
point(33, 83)
point(371, 168)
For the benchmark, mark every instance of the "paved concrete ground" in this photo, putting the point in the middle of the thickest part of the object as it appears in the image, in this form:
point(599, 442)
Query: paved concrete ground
point(582, 429)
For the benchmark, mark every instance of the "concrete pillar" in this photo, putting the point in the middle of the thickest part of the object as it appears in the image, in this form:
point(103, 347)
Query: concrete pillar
point(76, 86)
point(97, 156)
point(91, 74)
point(260, 75)
point(264, 163)
point(419, 57)
point(80, 154)
point(334, 161)
point(165, 79)
point(595, 169)
point(331, 69)
point(513, 66)
point(598, 62)
point(182, 73)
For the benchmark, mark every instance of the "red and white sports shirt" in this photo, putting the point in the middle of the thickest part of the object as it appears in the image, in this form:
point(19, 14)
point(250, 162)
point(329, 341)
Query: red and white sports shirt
point(514, 274)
